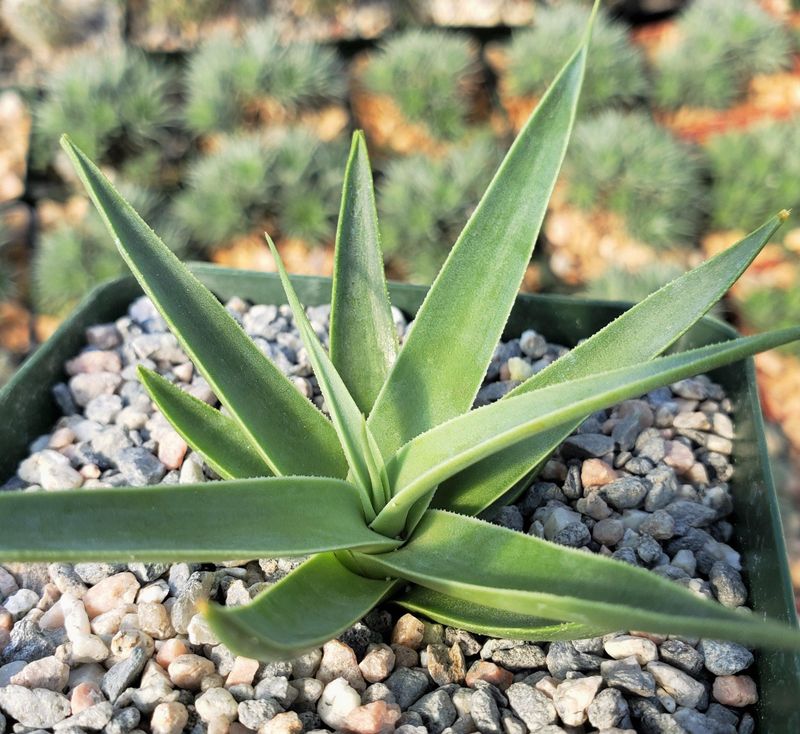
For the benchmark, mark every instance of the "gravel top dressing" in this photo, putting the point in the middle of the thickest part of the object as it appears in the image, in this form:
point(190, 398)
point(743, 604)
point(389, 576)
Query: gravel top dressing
point(121, 648)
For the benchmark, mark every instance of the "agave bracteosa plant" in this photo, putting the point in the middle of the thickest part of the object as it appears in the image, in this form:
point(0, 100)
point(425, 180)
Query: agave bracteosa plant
point(385, 495)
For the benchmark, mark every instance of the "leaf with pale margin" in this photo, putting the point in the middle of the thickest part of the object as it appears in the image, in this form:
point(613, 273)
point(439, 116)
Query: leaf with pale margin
point(463, 614)
point(363, 340)
point(291, 435)
point(217, 438)
point(470, 559)
point(443, 361)
point(242, 518)
point(639, 334)
point(443, 451)
point(347, 419)
point(313, 604)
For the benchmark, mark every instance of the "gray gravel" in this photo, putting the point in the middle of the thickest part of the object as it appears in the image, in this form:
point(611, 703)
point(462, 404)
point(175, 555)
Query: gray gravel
point(120, 648)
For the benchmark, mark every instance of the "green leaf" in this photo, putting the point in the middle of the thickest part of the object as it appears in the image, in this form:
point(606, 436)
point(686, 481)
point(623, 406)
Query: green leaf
point(442, 452)
point(313, 604)
point(490, 621)
point(363, 340)
point(347, 419)
point(451, 341)
point(485, 564)
point(219, 439)
point(639, 334)
point(291, 435)
point(239, 519)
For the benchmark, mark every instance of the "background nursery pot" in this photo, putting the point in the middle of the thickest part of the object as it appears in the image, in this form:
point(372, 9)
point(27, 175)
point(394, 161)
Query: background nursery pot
point(28, 410)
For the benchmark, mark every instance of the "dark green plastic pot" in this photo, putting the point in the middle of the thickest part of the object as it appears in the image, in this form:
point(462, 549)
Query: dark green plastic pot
point(27, 410)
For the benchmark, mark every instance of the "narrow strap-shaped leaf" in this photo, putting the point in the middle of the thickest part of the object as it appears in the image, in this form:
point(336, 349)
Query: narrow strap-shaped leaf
point(639, 334)
point(347, 419)
point(217, 438)
point(490, 621)
point(292, 436)
point(443, 451)
point(363, 340)
point(213, 521)
point(443, 361)
point(311, 605)
point(486, 564)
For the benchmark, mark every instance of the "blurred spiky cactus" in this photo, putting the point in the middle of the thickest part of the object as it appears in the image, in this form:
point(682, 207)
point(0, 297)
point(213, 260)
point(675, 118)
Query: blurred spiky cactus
point(773, 308)
point(289, 177)
point(44, 25)
point(228, 73)
point(73, 257)
point(120, 101)
point(751, 171)
point(429, 75)
point(535, 55)
point(424, 202)
point(626, 164)
point(721, 46)
point(621, 284)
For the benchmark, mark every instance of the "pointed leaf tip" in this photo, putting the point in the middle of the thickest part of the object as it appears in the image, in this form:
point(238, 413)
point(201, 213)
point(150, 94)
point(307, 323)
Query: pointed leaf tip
point(783, 214)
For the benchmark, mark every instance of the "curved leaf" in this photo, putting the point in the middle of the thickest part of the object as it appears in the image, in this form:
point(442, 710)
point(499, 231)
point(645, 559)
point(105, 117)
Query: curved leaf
point(311, 605)
point(639, 334)
point(219, 439)
point(490, 621)
point(443, 361)
point(291, 435)
point(347, 419)
point(489, 565)
point(213, 521)
point(363, 340)
point(447, 449)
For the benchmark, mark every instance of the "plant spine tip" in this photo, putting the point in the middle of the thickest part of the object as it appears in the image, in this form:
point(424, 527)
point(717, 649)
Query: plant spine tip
point(783, 214)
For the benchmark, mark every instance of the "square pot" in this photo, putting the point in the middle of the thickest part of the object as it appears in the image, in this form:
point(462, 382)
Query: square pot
point(27, 410)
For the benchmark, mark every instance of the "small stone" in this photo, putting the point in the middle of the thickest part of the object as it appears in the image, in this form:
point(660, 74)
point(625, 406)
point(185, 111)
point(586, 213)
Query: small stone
point(378, 663)
point(169, 651)
point(682, 655)
point(188, 671)
point(200, 633)
point(94, 718)
point(278, 688)
point(408, 631)
point(339, 661)
point(660, 525)
point(47, 672)
point(735, 690)
point(482, 670)
point(596, 473)
point(197, 588)
point(171, 450)
point(625, 646)
point(437, 711)
point(405, 657)
point(727, 584)
point(87, 386)
point(625, 493)
point(110, 593)
point(587, 446)
point(283, 723)
point(407, 685)
point(573, 697)
point(563, 657)
point(377, 717)
point(123, 674)
point(154, 620)
point(608, 532)
point(338, 699)
point(725, 658)
point(254, 714)
point(139, 467)
point(84, 696)
point(21, 602)
point(608, 709)
point(484, 713)
point(683, 688)
point(678, 456)
point(520, 657)
point(446, 664)
point(243, 672)
point(38, 708)
point(531, 705)
point(169, 718)
point(216, 703)
point(627, 675)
